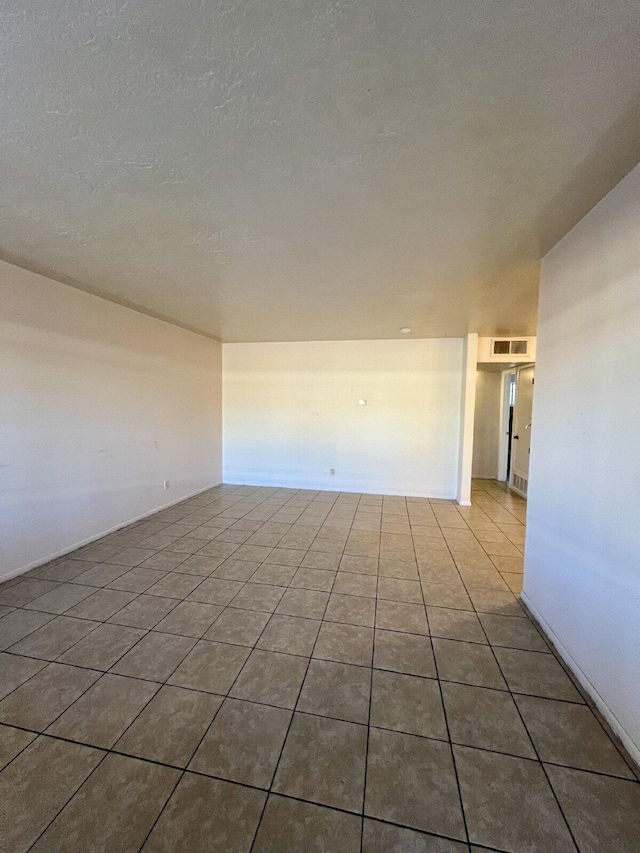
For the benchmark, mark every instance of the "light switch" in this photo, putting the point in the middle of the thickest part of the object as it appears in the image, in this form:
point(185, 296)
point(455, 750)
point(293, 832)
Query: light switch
point(362, 402)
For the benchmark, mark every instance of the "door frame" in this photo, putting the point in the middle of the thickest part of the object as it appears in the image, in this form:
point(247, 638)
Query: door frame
point(503, 447)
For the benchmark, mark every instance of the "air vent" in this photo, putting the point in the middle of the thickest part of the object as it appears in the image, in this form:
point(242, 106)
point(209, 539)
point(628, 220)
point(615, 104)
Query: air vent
point(520, 484)
point(505, 346)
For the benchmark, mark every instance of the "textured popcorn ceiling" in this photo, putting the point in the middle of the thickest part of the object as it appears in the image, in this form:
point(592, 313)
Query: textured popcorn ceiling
point(289, 169)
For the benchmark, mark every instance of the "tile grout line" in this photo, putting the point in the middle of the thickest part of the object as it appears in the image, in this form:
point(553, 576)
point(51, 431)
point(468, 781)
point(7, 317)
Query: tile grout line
point(286, 737)
point(566, 822)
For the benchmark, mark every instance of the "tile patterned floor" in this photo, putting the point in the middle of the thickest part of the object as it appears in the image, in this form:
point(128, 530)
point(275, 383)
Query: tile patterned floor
point(274, 670)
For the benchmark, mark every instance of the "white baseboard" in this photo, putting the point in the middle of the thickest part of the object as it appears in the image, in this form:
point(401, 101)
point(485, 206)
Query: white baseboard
point(41, 562)
point(463, 503)
point(232, 480)
point(632, 748)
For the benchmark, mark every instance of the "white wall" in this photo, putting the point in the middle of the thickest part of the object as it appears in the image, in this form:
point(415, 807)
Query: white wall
point(98, 406)
point(582, 574)
point(291, 413)
point(486, 432)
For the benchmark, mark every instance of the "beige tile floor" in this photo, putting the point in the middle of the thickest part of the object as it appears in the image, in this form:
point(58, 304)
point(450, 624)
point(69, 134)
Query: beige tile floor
point(276, 670)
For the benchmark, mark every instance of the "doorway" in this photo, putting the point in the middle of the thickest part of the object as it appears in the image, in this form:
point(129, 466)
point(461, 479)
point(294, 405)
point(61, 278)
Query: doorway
point(521, 439)
point(506, 424)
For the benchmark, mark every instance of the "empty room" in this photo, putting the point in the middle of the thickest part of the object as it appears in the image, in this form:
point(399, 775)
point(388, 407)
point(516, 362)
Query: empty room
point(319, 407)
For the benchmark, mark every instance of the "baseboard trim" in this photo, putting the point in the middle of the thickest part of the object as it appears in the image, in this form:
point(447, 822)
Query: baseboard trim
point(236, 481)
point(632, 748)
point(41, 562)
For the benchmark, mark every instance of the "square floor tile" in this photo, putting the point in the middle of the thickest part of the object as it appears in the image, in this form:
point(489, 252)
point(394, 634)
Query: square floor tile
point(100, 574)
point(15, 670)
point(323, 761)
point(407, 703)
point(198, 565)
point(114, 810)
point(102, 647)
point(446, 595)
point(286, 557)
point(303, 602)
point(467, 663)
point(510, 632)
point(359, 565)
point(291, 825)
point(164, 561)
point(399, 569)
point(54, 638)
point(131, 556)
point(258, 596)
point(100, 716)
point(207, 815)
point(290, 634)
point(397, 589)
point(212, 667)
point(241, 627)
point(603, 813)
point(400, 652)
point(497, 601)
point(236, 570)
point(37, 785)
point(351, 610)
point(144, 612)
point(37, 702)
point(190, 619)
point(536, 674)
point(517, 811)
point(411, 781)
point(337, 690)
point(348, 583)
point(243, 743)
point(345, 643)
point(321, 560)
point(175, 585)
point(155, 656)
point(61, 599)
point(400, 616)
point(101, 604)
point(216, 591)
point(384, 838)
point(171, 726)
point(455, 624)
point(569, 734)
point(136, 580)
point(319, 579)
point(484, 718)
point(12, 742)
point(274, 575)
point(253, 553)
point(64, 570)
point(271, 678)
point(24, 590)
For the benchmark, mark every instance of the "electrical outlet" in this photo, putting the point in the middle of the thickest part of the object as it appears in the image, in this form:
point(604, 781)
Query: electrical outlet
point(166, 485)
point(332, 471)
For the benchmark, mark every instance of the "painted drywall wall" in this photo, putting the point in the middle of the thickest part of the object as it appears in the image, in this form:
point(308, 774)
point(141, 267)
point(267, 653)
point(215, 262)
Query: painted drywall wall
point(291, 414)
point(99, 405)
point(486, 431)
point(582, 575)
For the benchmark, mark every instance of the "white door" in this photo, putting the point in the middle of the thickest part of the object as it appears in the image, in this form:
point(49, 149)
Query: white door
point(522, 429)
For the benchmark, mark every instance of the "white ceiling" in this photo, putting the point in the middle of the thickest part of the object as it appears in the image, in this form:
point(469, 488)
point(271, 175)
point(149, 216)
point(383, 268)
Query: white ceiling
point(291, 170)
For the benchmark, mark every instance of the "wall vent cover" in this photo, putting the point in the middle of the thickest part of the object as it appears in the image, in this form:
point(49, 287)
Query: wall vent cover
point(507, 346)
point(520, 484)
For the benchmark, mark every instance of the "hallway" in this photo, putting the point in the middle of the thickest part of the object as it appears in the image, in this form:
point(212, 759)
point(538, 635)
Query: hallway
point(255, 669)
